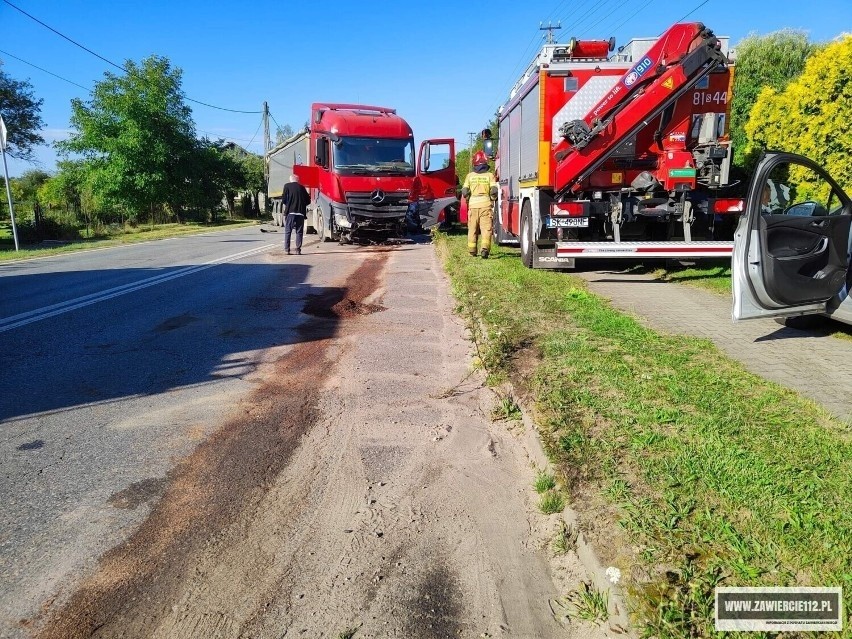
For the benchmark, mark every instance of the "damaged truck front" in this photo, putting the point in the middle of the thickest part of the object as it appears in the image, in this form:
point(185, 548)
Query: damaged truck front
point(359, 164)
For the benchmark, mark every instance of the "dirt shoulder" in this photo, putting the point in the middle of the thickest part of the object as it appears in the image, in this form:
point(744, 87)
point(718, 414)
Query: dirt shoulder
point(364, 489)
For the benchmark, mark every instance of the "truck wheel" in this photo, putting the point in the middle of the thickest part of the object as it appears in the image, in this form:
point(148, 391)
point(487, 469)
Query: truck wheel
point(319, 225)
point(527, 242)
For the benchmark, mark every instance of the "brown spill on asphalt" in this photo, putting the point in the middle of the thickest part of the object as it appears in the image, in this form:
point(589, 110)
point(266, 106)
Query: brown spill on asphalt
point(224, 476)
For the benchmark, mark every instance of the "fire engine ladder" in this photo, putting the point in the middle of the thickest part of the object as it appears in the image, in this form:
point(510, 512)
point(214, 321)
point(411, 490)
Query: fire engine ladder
point(591, 147)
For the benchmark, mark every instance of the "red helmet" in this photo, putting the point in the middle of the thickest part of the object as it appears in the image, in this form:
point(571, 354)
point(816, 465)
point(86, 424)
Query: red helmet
point(480, 158)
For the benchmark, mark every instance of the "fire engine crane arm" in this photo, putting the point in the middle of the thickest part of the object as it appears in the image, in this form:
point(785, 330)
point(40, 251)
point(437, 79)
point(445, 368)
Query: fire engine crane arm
point(680, 58)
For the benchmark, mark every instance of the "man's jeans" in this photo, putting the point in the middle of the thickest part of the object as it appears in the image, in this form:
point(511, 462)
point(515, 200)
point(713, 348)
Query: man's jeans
point(294, 222)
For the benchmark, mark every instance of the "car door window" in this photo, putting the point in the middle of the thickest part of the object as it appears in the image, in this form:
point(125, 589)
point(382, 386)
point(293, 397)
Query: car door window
point(797, 190)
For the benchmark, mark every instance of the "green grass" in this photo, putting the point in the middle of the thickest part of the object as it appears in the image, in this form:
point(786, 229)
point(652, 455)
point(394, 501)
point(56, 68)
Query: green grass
point(564, 540)
point(708, 474)
point(715, 278)
point(587, 603)
point(128, 236)
point(551, 502)
point(506, 408)
point(544, 482)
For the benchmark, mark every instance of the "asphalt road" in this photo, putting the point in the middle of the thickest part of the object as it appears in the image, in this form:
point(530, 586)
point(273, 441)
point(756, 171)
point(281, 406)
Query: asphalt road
point(116, 364)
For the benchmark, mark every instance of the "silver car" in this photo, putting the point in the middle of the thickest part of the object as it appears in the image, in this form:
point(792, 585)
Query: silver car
point(792, 247)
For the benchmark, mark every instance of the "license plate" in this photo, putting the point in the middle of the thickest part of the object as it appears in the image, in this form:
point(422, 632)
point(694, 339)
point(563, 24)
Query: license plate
point(567, 222)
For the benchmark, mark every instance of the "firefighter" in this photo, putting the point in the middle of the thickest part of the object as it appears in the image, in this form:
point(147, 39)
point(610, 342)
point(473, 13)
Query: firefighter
point(480, 190)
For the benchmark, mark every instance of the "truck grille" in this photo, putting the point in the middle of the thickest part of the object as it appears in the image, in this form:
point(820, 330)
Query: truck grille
point(394, 204)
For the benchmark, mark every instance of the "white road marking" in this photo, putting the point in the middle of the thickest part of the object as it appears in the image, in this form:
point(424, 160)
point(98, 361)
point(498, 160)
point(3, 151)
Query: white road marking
point(22, 319)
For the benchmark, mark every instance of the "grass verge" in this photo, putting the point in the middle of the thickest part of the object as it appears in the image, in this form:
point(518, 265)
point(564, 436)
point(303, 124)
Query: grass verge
point(688, 471)
point(131, 236)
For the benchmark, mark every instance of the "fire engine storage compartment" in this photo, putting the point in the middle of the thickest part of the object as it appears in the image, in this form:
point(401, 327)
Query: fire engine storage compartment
point(557, 88)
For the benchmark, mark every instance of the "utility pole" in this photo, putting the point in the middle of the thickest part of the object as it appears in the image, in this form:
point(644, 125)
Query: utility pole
point(550, 29)
point(471, 135)
point(266, 140)
point(266, 147)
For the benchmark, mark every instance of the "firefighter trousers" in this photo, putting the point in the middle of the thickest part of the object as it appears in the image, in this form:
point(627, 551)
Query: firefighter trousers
point(479, 221)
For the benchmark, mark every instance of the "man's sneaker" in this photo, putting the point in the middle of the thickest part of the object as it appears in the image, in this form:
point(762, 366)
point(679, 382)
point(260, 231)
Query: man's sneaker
point(298, 251)
point(484, 254)
point(288, 252)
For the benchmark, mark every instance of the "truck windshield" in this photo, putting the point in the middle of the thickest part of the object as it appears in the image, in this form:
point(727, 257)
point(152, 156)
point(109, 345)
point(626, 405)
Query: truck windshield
point(369, 156)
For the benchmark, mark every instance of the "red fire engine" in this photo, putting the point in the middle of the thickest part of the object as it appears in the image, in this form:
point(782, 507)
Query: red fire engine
point(619, 154)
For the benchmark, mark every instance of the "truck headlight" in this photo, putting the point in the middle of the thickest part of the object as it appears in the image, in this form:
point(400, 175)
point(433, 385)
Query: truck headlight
point(342, 221)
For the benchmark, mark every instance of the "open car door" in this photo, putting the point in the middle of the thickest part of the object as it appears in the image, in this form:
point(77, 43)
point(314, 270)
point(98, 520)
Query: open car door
point(792, 245)
point(435, 184)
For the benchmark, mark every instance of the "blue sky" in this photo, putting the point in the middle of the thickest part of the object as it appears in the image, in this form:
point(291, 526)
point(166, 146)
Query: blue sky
point(446, 66)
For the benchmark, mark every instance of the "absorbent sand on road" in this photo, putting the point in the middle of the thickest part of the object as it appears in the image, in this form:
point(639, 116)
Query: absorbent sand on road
point(364, 486)
point(811, 363)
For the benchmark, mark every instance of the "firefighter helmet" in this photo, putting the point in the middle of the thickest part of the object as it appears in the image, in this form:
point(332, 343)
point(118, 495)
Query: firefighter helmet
point(480, 158)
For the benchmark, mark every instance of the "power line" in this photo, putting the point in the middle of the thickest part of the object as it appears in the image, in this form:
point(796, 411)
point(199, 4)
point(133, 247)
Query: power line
point(255, 133)
point(693, 11)
point(590, 15)
point(632, 15)
point(117, 66)
point(62, 35)
point(45, 71)
point(604, 18)
point(87, 90)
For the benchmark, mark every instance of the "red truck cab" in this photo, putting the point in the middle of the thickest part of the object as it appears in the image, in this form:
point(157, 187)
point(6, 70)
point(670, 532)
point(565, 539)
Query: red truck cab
point(364, 177)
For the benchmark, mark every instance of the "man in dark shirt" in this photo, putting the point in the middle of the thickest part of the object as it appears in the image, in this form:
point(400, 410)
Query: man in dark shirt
point(295, 199)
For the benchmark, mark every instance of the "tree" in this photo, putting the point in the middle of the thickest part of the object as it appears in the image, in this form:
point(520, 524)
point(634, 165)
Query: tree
point(771, 60)
point(812, 115)
point(282, 133)
point(463, 165)
point(22, 114)
point(138, 138)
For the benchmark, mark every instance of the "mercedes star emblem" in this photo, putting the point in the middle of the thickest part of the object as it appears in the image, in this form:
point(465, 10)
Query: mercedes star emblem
point(377, 196)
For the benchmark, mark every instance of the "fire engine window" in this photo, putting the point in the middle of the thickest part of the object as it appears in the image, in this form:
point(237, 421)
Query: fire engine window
point(571, 85)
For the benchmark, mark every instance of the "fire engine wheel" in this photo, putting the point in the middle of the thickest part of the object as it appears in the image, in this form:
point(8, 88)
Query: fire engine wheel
point(526, 235)
point(499, 234)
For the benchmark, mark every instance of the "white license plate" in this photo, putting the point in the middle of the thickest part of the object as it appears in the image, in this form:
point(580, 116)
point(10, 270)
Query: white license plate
point(567, 222)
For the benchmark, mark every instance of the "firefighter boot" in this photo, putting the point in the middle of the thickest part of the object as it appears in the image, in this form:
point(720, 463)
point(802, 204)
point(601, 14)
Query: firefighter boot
point(484, 254)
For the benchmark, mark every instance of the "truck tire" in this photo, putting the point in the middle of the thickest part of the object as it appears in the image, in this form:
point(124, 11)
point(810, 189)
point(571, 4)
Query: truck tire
point(319, 225)
point(527, 241)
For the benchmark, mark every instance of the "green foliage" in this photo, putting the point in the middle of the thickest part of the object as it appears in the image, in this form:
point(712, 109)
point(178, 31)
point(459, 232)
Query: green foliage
point(22, 115)
point(138, 138)
point(551, 502)
point(507, 408)
point(282, 133)
point(140, 156)
point(704, 474)
point(763, 61)
point(463, 166)
point(586, 603)
point(811, 115)
point(544, 481)
point(29, 183)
